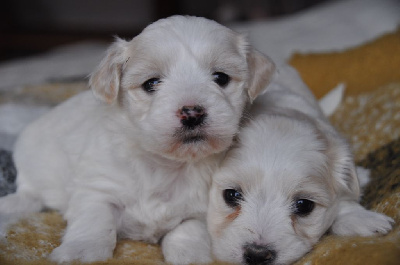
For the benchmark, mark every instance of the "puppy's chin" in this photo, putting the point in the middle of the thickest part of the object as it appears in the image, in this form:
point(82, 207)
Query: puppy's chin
point(193, 147)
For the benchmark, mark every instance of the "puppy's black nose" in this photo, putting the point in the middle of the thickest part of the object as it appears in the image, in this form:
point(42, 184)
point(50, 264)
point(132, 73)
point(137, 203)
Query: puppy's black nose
point(258, 255)
point(192, 116)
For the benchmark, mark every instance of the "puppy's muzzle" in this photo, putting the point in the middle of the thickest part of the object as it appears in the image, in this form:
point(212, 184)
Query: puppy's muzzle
point(192, 116)
point(255, 254)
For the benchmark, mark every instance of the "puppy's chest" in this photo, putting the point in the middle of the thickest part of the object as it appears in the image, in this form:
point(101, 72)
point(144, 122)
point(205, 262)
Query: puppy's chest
point(158, 203)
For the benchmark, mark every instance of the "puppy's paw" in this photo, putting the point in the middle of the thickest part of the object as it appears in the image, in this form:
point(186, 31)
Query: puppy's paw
point(355, 220)
point(85, 252)
point(188, 243)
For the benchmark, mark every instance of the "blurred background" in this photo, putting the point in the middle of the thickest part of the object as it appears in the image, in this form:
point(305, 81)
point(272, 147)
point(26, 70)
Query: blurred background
point(28, 27)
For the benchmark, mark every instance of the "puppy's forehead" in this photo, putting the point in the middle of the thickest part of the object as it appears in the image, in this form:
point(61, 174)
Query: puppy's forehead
point(275, 155)
point(192, 31)
point(188, 38)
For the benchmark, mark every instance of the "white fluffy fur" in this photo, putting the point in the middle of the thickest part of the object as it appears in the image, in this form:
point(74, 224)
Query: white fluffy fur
point(119, 165)
point(288, 151)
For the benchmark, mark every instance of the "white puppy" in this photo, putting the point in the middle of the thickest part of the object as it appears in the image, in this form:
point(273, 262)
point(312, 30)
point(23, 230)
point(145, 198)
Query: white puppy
point(137, 163)
point(289, 180)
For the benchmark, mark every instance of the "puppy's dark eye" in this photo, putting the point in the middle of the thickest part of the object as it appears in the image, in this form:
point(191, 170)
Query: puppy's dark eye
point(303, 207)
point(221, 79)
point(232, 197)
point(151, 84)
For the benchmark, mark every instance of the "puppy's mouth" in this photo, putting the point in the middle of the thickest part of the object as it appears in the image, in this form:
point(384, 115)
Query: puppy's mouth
point(193, 139)
point(190, 136)
point(194, 144)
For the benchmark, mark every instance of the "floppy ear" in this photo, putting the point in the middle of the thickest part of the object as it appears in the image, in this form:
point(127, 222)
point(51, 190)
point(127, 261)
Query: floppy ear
point(105, 80)
point(351, 218)
point(343, 168)
point(261, 69)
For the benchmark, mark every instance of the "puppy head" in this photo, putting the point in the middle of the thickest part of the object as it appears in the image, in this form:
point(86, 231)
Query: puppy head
point(183, 83)
point(275, 194)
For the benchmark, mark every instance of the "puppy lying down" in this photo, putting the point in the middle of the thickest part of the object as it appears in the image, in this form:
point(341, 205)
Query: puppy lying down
point(137, 161)
point(289, 180)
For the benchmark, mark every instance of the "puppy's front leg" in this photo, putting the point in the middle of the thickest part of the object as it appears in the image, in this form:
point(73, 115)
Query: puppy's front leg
point(91, 232)
point(188, 243)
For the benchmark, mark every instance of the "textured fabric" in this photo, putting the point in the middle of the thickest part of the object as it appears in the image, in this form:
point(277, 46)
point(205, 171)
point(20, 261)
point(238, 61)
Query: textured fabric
point(361, 69)
point(370, 120)
point(7, 173)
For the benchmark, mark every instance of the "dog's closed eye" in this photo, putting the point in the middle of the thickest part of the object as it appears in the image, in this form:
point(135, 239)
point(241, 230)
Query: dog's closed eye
point(303, 207)
point(232, 197)
point(150, 85)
